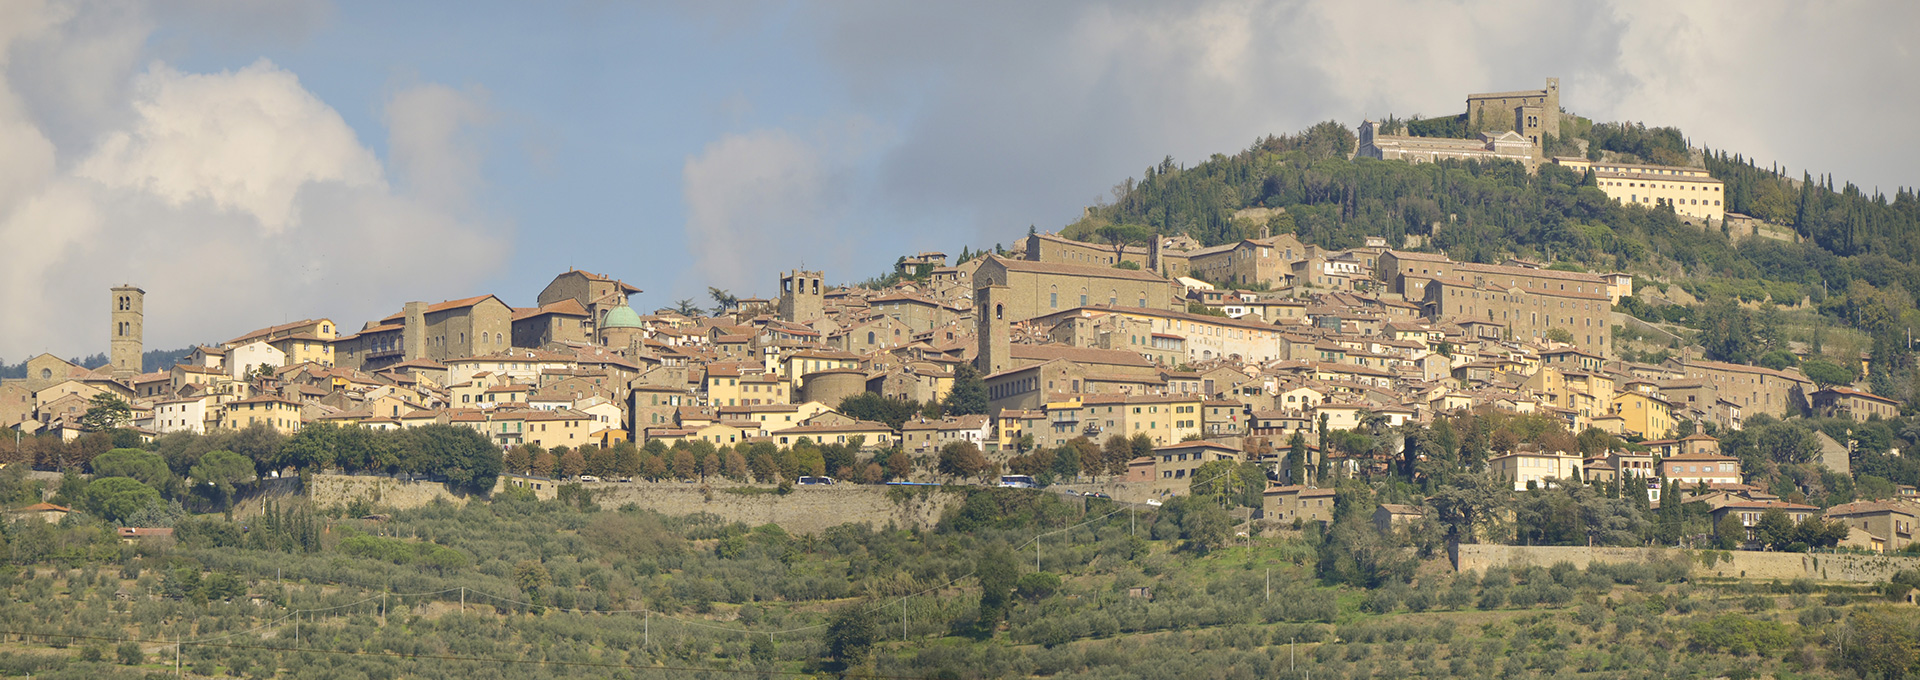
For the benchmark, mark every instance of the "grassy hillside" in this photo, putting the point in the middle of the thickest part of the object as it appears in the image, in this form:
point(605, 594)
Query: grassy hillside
point(555, 589)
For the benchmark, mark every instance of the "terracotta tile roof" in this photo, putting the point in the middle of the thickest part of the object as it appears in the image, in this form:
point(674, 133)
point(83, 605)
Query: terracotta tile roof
point(1699, 457)
point(1871, 507)
point(856, 426)
point(1076, 270)
point(442, 307)
point(271, 330)
point(567, 307)
point(1850, 392)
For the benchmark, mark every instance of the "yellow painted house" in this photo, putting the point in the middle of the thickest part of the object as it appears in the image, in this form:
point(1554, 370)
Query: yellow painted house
point(304, 341)
point(1644, 414)
point(1167, 420)
point(1013, 423)
point(731, 387)
point(1586, 394)
point(797, 365)
point(280, 414)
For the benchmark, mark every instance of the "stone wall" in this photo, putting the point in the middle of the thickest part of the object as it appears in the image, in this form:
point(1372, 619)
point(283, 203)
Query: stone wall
point(806, 510)
point(336, 489)
point(1766, 566)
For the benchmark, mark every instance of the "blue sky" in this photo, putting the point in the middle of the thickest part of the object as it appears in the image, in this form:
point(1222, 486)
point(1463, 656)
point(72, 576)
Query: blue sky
point(250, 163)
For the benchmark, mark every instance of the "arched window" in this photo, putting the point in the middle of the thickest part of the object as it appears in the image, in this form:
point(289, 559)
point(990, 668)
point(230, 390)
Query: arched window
point(869, 337)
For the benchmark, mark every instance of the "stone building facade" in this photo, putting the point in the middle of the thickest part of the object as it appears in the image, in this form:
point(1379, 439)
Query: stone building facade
point(1753, 388)
point(1251, 261)
point(1056, 248)
point(598, 295)
point(447, 330)
point(565, 321)
point(1523, 313)
point(1528, 113)
point(1502, 146)
point(1408, 273)
point(802, 298)
point(1040, 288)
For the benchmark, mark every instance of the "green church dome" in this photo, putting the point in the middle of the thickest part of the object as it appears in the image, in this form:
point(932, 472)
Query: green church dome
point(622, 317)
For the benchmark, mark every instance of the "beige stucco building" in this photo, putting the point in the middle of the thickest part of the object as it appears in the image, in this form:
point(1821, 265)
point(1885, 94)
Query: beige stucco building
point(1691, 191)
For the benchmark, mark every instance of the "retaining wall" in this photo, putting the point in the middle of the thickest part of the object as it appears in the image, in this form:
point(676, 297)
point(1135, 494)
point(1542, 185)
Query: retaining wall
point(1846, 567)
point(807, 509)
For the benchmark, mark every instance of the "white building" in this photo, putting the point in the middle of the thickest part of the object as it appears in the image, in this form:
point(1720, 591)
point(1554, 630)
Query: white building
point(251, 356)
point(1544, 468)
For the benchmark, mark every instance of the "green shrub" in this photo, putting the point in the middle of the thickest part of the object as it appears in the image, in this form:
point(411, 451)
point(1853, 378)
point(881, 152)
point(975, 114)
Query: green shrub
point(1741, 636)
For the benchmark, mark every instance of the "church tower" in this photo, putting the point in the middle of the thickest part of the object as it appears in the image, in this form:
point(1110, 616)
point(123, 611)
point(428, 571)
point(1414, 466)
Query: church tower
point(124, 346)
point(992, 331)
point(801, 299)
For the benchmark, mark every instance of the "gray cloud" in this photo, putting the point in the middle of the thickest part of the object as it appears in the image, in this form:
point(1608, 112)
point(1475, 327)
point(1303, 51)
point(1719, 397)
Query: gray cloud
point(1023, 112)
point(769, 200)
point(431, 141)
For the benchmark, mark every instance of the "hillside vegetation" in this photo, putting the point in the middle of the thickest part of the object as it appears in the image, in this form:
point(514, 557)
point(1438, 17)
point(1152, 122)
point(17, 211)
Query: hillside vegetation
point(1855, 263)
point(524, 588)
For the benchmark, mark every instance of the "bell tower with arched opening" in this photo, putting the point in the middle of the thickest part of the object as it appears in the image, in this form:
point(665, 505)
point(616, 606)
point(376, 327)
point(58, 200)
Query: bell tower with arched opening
point(128, 309)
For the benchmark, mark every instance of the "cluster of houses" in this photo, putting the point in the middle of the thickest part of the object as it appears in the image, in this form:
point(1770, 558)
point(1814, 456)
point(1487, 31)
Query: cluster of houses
point(1212, 353)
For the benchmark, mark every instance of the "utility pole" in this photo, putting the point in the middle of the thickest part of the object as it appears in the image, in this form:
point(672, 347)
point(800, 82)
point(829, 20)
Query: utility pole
point(903, 619)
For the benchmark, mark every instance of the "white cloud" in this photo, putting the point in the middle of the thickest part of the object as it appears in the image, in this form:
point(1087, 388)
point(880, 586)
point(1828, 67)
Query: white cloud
point(248, 140)
point(237, 199)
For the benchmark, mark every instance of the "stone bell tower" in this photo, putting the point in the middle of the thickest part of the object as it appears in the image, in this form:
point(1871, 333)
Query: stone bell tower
point(992, 329)
point(124, 342)
point(801, 299)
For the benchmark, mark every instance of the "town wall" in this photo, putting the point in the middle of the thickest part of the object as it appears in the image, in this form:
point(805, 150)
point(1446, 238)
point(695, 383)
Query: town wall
point(392, 492)
point(1740, 564)
point(805, 510)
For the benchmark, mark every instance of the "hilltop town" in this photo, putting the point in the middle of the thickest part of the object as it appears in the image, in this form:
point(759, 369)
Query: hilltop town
point(1162, 355)
point(1540, 384)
